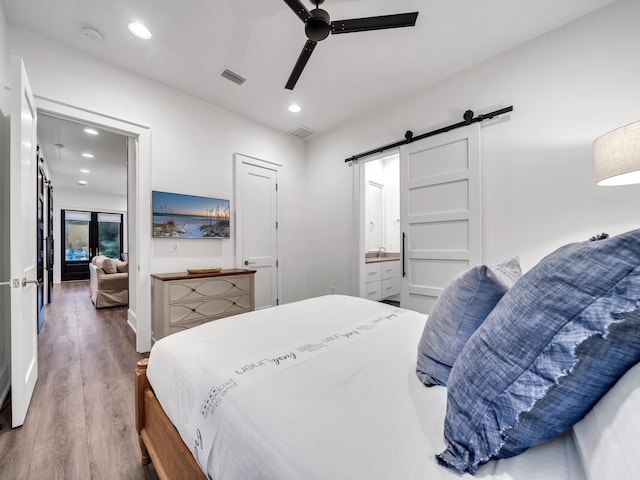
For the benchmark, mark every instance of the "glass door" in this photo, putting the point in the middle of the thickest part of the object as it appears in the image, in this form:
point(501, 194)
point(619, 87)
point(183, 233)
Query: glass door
point(109, 234)
point(76, 250)
point(87, 234)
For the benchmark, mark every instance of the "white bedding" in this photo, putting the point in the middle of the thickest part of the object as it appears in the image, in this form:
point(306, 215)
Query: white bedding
point(356, 411)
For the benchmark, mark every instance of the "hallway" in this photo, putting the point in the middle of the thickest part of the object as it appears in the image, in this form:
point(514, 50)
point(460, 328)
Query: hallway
point(80, 424)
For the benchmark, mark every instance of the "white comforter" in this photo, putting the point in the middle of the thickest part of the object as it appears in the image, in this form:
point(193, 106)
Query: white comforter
point(352, 411)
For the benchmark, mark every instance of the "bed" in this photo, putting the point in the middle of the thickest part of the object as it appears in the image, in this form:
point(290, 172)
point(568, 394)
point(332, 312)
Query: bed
point(326, 388)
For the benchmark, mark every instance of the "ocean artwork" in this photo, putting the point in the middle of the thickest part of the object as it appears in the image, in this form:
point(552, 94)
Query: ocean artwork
point(187, 216)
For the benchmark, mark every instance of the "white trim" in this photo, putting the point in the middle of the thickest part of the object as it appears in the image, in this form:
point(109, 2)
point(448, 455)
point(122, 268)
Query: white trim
point(359, 200)
point(5, 381)
point(132, 320)
point(141, 191)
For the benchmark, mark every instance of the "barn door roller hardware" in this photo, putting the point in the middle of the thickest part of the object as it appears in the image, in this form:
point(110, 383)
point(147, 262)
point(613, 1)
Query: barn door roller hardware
point(408, 136)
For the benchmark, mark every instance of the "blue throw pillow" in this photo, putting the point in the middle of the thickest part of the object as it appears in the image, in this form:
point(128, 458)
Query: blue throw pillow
point(458, 312)
point(556, 342)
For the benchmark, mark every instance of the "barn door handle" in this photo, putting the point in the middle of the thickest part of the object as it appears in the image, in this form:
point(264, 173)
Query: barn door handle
point(404, 271)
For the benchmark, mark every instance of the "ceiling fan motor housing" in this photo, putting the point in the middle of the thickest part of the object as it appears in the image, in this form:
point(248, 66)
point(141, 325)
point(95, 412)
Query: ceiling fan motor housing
point(318, 26)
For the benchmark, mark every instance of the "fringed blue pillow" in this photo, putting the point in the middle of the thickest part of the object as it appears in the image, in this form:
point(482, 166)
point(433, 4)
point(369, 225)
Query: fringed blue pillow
point(461, 308)
point(555, 344)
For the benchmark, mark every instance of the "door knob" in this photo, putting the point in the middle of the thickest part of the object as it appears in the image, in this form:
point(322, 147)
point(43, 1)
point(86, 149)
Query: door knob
point(247, 262)
point(25, 281)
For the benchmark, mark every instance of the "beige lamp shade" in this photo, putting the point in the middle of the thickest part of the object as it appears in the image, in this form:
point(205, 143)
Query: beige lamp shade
point(617, 156)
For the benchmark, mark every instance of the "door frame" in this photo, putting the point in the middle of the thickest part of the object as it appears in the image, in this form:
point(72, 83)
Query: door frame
point(237, 160)
point(359, 219)
point(139, 201)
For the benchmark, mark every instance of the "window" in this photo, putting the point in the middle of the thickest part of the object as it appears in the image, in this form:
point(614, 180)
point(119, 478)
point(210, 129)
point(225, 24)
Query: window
point(87, 234)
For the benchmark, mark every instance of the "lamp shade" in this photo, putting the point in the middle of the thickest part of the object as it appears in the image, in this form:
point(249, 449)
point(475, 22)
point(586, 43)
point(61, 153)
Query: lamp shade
point(617, 156)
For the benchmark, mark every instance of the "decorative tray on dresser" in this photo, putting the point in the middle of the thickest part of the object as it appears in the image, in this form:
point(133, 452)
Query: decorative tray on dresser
point(184, 300)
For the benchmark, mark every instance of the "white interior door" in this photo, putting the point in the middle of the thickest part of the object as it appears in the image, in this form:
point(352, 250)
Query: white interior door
point(22, 243)
point(440, 213)
point(257, 226)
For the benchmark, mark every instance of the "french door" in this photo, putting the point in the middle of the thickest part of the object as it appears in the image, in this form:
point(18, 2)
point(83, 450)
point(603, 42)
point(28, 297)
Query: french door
point(85, 235)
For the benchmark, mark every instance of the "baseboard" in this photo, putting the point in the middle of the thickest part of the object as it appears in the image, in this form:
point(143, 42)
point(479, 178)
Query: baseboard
point(5, 382)
point(132, 320)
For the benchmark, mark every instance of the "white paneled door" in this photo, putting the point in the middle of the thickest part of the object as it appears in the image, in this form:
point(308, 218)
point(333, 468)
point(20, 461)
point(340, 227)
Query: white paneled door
point(22, 243)
point(440, 213)
point(257, 225)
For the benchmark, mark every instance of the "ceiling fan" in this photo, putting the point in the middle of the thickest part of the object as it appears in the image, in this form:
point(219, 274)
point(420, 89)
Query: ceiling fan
point(318, 26)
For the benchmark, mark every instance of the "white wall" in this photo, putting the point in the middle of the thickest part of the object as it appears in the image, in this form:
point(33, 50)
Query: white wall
point(386, 171)
point(192, 146)
point(5, 319)
point(65, 199)
point(567, 88)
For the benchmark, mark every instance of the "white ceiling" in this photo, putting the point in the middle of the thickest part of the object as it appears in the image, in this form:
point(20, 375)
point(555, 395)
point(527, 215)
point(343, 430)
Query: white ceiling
point(347, 75)
point(63, 142)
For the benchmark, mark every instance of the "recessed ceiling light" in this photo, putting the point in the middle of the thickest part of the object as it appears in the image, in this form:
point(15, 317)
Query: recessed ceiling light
point(82, 182)
point(84, 170)
point(87, 155)
point(90, 131)
point(140, 31)
point(294, 108)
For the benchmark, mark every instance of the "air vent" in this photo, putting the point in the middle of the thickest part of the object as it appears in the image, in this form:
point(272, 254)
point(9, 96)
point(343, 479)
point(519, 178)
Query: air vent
point(234, 77)
point(302, 132)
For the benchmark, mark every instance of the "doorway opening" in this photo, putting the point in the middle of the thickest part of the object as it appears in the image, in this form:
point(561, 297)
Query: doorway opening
point(379, 239)
point(137, 216)
point(87, 167)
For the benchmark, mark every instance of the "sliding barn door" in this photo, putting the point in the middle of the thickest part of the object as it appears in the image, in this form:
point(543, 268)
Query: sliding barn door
point(440, 213)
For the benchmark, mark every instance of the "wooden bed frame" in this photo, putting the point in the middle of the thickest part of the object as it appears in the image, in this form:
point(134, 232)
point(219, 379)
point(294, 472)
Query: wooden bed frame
point(159, 440)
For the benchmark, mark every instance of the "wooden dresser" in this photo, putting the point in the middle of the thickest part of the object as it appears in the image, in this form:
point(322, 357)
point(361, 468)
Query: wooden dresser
point(184, 300)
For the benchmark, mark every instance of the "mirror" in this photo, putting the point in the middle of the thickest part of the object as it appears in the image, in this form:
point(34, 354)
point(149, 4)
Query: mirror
point(374, 207)
point(382, 204)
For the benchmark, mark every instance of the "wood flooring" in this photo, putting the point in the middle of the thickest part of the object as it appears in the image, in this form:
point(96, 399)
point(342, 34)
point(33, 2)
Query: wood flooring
point(80, 424)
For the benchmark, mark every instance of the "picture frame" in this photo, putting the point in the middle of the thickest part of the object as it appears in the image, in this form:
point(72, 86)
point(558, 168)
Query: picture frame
point(177, 215)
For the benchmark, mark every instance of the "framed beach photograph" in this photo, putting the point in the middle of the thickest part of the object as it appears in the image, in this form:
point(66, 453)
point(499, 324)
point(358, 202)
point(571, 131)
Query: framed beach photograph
point(177, 215)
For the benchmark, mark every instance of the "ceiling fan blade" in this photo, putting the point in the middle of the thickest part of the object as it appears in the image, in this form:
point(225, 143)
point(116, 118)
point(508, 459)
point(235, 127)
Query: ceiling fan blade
point(374, 23)
point(299, 9)
point(307, 50)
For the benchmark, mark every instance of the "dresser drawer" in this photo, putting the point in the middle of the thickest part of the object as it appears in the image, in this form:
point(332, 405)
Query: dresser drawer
point(210, 307)
point(178, 327)
point(181, 290)
point(181, 301)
